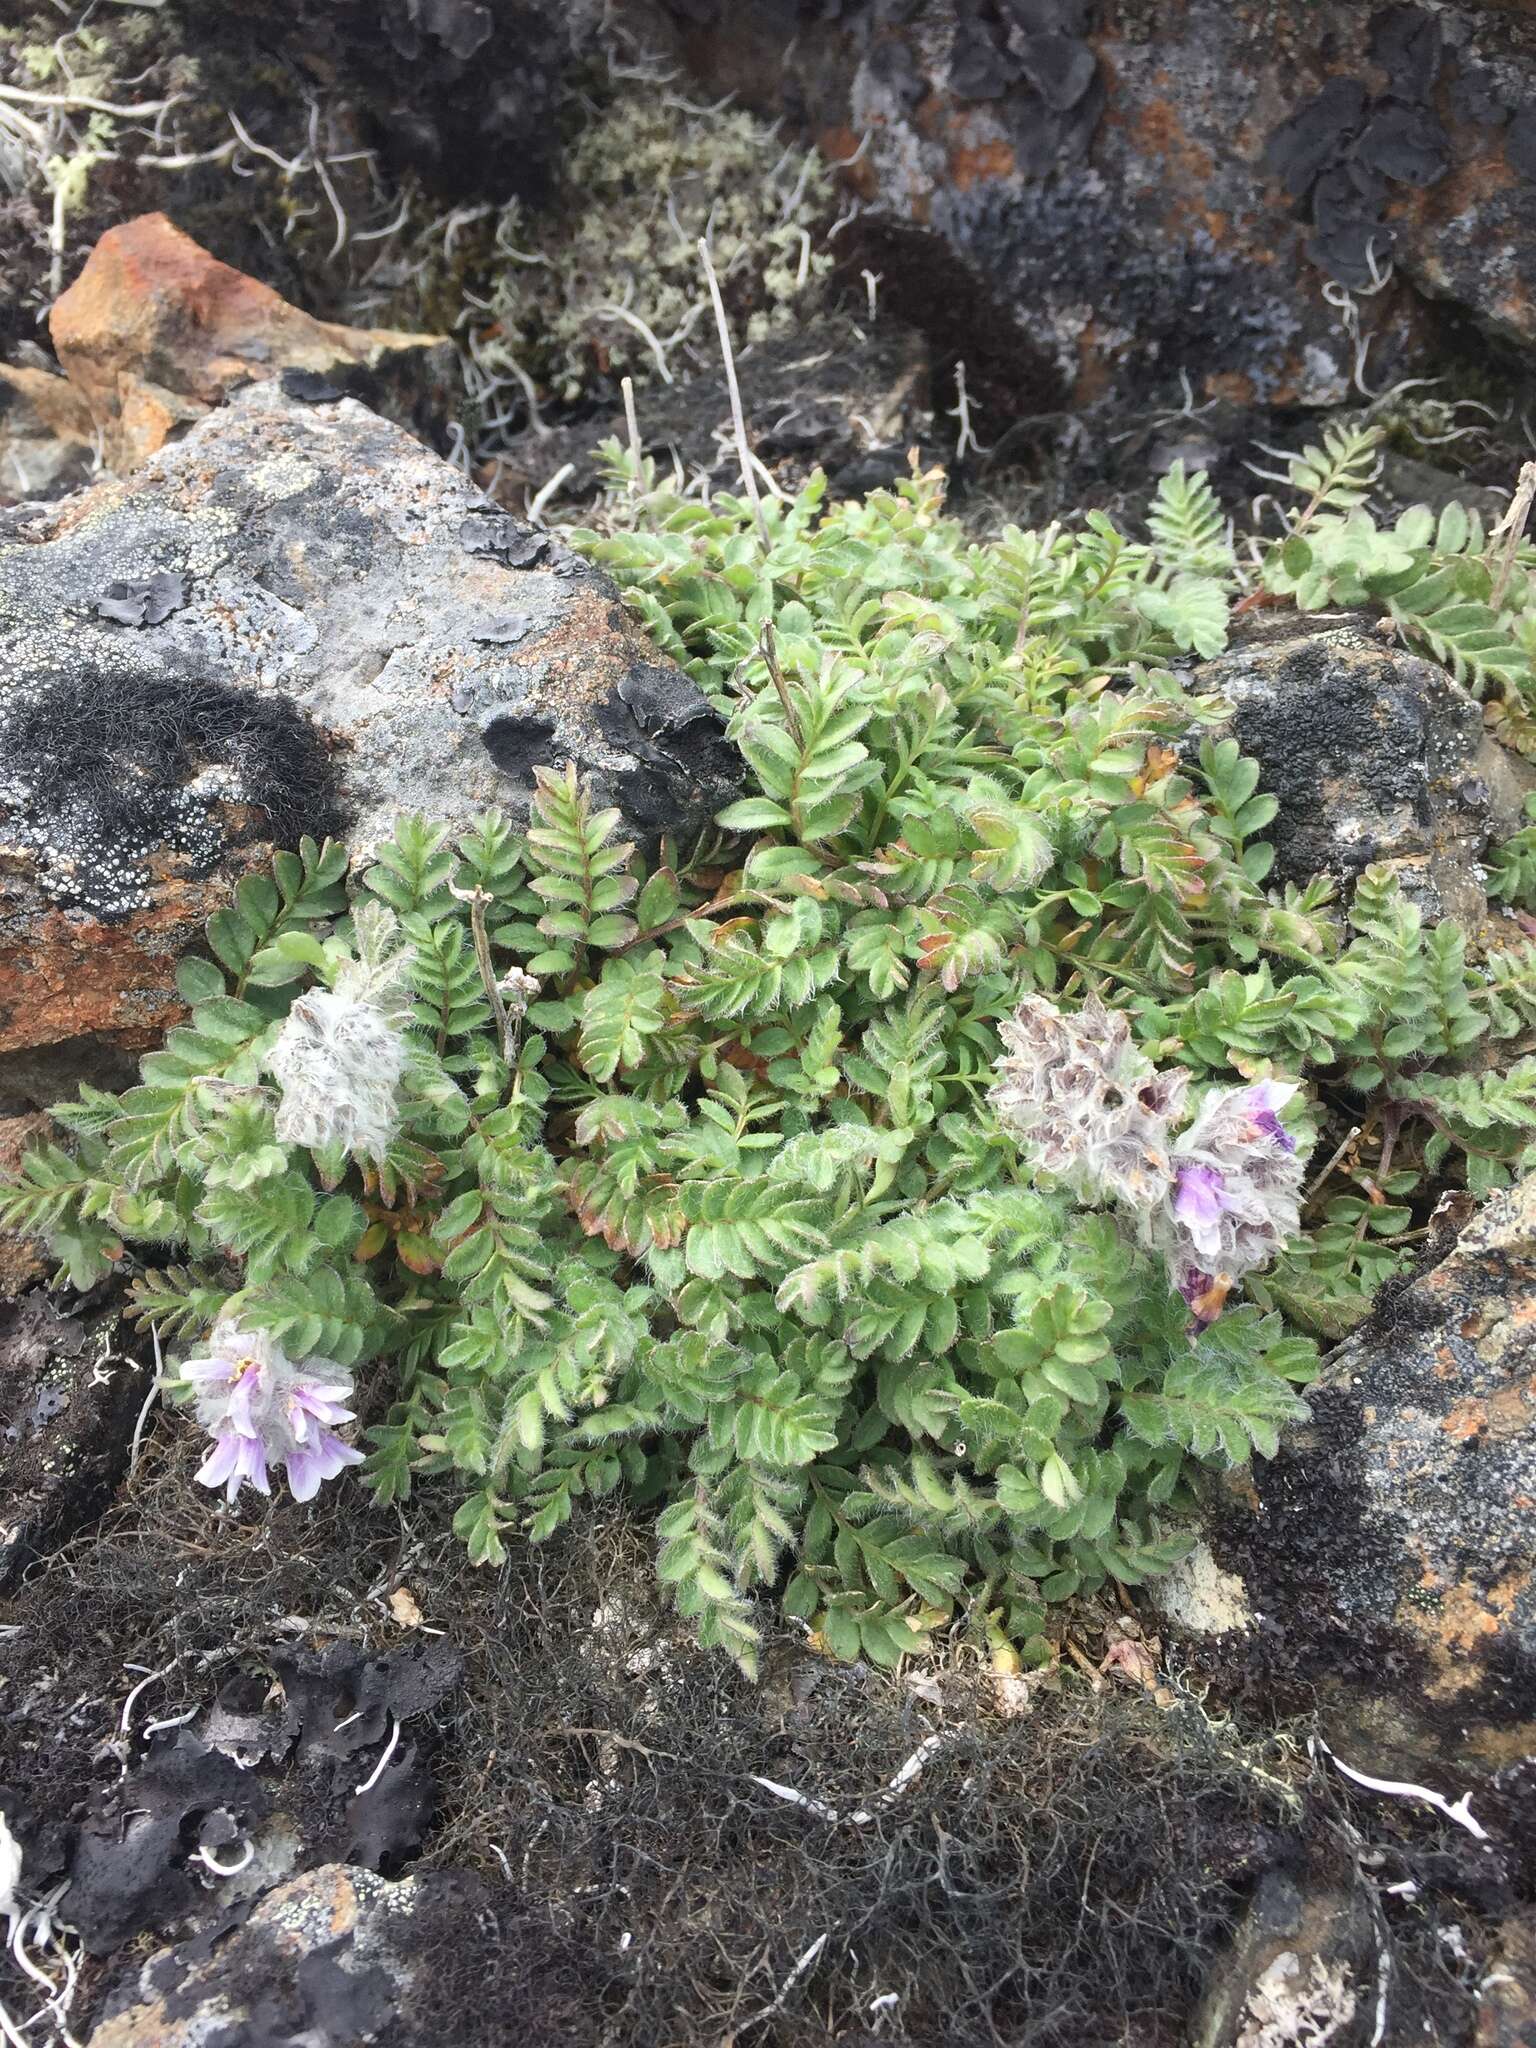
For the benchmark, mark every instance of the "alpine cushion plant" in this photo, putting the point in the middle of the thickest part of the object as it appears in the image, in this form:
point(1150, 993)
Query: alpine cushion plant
point(899, 1194)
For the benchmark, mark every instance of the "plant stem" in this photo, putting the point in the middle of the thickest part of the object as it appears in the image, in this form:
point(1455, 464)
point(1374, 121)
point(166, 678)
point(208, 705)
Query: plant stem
point(1511, 528)
point(770, 654)
point(738, 418)
point(477, 899)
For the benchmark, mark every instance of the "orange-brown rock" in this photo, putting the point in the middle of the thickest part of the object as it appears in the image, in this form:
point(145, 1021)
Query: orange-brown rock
point(155, 330)
point(82, 997)
point(47, 435)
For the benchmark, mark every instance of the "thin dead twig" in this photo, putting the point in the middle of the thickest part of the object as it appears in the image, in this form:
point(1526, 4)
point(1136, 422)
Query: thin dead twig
point(738, 418)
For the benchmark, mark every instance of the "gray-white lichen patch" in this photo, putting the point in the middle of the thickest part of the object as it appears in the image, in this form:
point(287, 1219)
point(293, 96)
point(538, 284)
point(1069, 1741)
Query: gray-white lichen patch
point(1298, 2003)
point(97, 858)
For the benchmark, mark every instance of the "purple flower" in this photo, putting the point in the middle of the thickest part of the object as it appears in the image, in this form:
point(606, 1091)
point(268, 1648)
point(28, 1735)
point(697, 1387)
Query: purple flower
point(1198, 1202)
point(307, 1468)
point(263, 1409)
point(1235, 1196)
point(1273, 1129)
point(1261, 1102)
point(1096, 1115)
point(238, 1459)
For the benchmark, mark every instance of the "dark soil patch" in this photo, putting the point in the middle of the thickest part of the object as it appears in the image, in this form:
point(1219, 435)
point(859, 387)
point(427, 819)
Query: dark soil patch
point(1061, 1878)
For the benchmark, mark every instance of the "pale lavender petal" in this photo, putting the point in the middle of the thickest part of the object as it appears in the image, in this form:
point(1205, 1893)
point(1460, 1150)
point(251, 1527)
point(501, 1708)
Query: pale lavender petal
point(209, 1369)
point(1198, 1203)
point(235, 1461)
point(308, 1466)
point(220, 1462)
point(337, 1456)
point(326, 1404)
point(242, 1393)
point(308, 1425)
point(304, 1474)
point(1269, 1095)
point(250, 1466)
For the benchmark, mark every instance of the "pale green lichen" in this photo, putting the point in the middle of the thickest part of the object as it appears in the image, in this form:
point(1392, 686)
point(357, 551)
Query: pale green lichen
point(608, 283)
point(651, 179)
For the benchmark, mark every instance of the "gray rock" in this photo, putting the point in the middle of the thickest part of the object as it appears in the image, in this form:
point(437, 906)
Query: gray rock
point(312, 624)
point(1387, 1556)
point(1405, 481)
point(319, 554)
point(1374, 755)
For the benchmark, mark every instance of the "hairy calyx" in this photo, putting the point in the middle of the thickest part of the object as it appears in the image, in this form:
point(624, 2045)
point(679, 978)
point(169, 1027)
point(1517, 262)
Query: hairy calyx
point(1215, 1201)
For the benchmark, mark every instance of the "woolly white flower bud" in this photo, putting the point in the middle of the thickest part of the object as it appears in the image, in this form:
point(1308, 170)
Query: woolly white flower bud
point(341, 1052)
point(517, 991)
point(1091, 1106)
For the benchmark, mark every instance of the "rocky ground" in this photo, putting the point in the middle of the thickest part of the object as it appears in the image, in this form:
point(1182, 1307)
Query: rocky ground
point(291, 290)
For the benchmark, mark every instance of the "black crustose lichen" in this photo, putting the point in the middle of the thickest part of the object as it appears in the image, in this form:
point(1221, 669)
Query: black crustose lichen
point(100, 773)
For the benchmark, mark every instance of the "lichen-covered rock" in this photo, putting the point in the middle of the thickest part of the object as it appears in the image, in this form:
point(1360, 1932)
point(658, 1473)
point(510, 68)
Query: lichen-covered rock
point(1388, 1554)
point(1138, 190)
point(1374, 755)
point(302, 1759)
point(1302, 1967)
point(68, 1400)
point(154, 331)
point(336, 1958)
point(296, 618)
